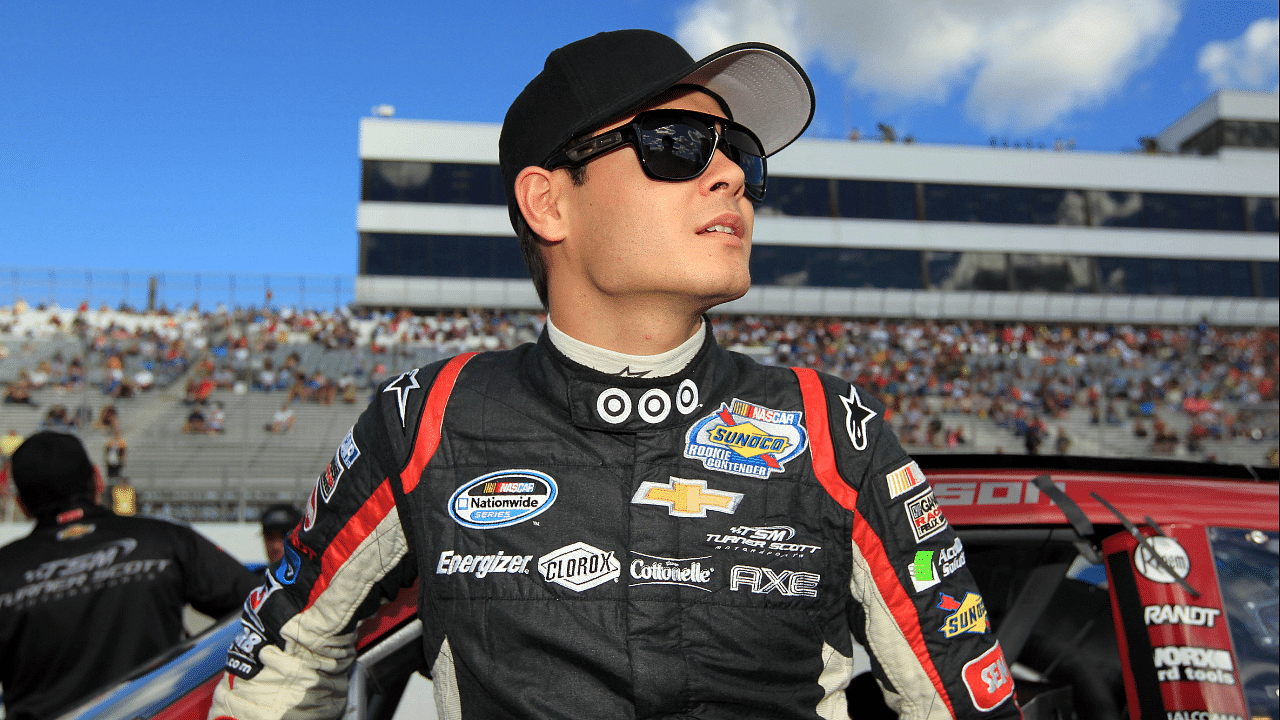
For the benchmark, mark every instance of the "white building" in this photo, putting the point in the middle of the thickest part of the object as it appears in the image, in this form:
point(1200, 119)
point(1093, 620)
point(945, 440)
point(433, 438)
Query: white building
point(873, 229)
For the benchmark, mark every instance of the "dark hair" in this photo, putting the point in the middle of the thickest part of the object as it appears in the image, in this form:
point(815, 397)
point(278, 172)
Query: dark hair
point(531, 243)
point(51, 469)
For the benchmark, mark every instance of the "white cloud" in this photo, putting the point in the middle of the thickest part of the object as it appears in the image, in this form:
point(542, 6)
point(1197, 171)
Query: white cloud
point(1249, 61)
point(1020, 65)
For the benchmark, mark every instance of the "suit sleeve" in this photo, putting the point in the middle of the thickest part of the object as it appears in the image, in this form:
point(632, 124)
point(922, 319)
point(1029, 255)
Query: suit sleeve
point(916, 607)
point(347, 556)
point(215, 583)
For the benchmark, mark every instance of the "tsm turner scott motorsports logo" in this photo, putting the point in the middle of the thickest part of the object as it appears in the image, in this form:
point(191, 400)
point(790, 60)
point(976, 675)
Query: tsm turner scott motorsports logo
point(502, 498)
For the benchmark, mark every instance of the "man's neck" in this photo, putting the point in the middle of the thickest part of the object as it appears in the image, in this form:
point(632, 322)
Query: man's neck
point(652, 330)
point(612, 362)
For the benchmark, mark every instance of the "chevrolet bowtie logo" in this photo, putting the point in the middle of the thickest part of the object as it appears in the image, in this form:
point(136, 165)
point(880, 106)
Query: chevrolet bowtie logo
point(686, 498)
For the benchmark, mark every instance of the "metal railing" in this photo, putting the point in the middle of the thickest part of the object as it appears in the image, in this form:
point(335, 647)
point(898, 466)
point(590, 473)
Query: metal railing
point(142, 289)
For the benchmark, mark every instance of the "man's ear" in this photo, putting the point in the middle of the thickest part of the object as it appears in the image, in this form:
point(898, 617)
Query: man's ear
point(538, 195)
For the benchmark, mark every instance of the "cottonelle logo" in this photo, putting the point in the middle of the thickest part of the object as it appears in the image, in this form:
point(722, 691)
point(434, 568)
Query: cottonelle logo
point(502, 498)
point(685, 572)
point(579, 567)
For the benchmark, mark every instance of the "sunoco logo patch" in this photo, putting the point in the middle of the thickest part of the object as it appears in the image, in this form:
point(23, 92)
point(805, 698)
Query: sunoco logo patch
point(502, 498)
point(746, 439)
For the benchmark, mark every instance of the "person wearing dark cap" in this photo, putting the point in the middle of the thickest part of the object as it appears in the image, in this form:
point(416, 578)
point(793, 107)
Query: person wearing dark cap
point(89, 595)
point(277, 522)
point(623, 519)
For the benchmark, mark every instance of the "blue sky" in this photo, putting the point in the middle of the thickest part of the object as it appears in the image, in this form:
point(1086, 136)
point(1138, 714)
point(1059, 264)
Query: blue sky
point(222, 137)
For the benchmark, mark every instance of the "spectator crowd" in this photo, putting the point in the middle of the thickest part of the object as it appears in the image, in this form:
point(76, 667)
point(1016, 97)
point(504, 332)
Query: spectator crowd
point(1172, 390)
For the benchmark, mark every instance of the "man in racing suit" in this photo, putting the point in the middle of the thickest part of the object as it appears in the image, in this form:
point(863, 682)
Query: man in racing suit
point(89, 596)
point(624, 520)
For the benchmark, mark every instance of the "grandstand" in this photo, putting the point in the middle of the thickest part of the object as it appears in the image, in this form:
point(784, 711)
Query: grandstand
point(951, 387)
point(1180, 232)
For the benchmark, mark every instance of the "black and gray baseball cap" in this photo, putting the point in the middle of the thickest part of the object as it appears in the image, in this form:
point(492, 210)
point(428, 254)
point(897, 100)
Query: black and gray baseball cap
point(590, 83)
point(280, 518)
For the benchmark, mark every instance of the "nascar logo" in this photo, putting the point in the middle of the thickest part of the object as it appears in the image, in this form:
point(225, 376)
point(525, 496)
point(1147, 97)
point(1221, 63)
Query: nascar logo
point(746, 439)
point(502, 498)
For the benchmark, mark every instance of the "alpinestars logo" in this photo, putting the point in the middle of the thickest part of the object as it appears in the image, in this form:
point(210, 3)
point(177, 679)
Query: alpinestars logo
point(402, 386)
point(856, 417)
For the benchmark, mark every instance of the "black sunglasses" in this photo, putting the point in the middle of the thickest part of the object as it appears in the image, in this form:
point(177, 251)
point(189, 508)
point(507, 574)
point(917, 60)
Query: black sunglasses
point(675, 145)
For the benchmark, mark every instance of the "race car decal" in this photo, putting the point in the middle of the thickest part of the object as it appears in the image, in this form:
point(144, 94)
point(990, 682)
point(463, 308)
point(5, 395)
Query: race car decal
point(746, 439)
point(1170, 551)
point(856, 417)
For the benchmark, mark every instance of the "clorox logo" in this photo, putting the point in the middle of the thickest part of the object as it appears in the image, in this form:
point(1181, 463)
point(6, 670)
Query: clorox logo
point(502, 498)
point(746, 439)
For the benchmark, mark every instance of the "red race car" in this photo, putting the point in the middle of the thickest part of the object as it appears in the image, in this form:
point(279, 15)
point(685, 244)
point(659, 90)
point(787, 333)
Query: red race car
point(1119, 590)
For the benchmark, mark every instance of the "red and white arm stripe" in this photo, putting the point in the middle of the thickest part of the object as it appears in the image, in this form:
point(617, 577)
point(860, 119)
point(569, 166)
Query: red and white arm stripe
point(428, 439)
point(864, 536)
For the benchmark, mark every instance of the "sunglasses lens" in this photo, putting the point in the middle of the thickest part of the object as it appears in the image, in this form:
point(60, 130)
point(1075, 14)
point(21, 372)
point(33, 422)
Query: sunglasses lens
point(675, 150)
point(749, 156)
point(679, 147)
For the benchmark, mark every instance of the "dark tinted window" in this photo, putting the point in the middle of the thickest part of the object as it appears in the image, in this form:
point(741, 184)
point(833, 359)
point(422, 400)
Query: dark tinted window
point(967, 271)
point(1262, 214)
point(877, 200)
point(425, 182)
point(802, 197)
point(474, 256)
point(835, 267)
point(1268, 279)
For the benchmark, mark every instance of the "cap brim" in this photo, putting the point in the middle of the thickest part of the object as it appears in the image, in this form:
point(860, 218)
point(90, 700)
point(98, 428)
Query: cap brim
point(764, 88)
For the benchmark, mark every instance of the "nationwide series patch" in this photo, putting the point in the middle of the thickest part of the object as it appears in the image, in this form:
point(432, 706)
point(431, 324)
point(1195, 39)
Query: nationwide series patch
point(967, 616)
point(746, 439)
point(925, 516)
point(502, 498)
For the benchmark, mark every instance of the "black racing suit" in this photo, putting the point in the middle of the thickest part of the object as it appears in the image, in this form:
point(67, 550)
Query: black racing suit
point(88, 596)
point(705, 545)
